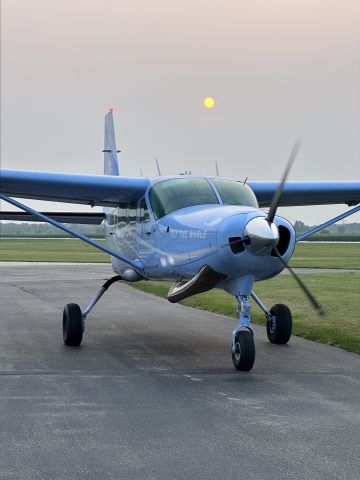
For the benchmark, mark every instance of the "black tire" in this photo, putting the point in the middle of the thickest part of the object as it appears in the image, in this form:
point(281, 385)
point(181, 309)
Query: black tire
point(282, 332)
point(244, 356)
point(73, 327)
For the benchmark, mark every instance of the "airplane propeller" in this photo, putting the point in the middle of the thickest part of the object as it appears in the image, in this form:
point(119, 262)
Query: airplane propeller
point(261, 236)
point(276, 198)
point(317, 306)
point(262, 229)
point(271, 215)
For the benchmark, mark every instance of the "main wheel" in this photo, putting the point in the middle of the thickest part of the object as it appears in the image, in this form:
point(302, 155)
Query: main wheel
point(279, 331)
point(244, 356)
point(73, 327)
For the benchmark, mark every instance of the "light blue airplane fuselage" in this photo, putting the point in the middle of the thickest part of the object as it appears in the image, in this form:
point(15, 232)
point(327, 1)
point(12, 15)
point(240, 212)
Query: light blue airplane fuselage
point(177, 245)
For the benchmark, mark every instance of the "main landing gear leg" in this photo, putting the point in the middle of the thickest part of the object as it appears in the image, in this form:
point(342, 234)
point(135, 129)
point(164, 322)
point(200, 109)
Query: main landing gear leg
point(243, 345)
point(278, 321)
point(74, 319)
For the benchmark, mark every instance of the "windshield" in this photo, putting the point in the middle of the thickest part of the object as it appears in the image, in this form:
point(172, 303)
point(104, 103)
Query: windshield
point(170, 195)
point(235, 193)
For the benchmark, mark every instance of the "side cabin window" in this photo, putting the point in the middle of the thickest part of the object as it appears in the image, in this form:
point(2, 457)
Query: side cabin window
point(131, 213)
point(111, 218)
point(126, 214)
point(170, 195)
point(144, 215)
point(235, 193)
point(121, 215)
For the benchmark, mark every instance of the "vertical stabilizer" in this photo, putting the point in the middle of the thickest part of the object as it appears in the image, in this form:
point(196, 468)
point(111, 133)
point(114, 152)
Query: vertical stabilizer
point(111, 166)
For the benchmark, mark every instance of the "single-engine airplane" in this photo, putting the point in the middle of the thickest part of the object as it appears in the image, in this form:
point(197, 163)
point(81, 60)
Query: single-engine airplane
point(201, 232)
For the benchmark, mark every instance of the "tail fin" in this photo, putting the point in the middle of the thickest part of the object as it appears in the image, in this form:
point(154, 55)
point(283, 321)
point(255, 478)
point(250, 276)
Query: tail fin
point(111, 166)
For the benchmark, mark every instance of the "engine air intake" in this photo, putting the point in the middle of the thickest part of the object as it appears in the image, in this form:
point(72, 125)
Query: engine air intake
point(236, 244)
point(284, 240)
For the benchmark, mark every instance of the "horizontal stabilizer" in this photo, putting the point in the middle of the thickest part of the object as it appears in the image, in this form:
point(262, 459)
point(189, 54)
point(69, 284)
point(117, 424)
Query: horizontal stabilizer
point(64, 217)
point(205, 280)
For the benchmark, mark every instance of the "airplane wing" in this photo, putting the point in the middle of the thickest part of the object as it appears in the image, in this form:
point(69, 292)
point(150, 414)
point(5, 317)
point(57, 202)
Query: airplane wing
point(308, 193)
point(109, 190)
point(103, 190)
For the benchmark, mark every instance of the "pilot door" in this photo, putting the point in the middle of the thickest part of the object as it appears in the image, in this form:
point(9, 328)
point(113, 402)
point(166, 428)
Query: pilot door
point(126, 232)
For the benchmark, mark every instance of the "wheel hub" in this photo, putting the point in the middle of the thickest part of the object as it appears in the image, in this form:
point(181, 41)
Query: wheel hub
point(272, 323)
point(237, 352)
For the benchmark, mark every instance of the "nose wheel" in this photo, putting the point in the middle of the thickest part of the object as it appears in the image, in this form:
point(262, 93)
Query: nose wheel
point(243, 356)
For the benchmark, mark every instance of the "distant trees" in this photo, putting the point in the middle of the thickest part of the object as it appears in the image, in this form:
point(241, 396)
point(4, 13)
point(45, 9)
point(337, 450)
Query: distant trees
point(34, 229)
point(301, 227)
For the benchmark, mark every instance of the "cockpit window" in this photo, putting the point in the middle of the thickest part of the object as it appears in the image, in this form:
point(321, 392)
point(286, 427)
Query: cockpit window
point(235, 193)
point(170, 195)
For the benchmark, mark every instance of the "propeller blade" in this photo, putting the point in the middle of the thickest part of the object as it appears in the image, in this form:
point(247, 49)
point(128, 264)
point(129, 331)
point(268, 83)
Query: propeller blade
point(317, 306)
point(276, 198)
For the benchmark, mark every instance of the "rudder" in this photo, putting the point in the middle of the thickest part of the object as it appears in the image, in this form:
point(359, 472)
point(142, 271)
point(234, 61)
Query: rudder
point(111, 165)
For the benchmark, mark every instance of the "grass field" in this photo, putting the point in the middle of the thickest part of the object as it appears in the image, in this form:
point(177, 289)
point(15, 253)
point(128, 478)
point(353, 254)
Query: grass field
point(49, 250)
point(327, 255)
point(339, 293)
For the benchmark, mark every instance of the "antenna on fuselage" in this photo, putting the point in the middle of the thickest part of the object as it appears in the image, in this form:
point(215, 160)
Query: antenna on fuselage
point(216, 168)
point(141, 172)
point(157, 166)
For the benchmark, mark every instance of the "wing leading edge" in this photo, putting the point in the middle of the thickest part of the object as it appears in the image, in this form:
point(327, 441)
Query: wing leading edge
point(308, 193)
point(108, 190)
point(102, 190)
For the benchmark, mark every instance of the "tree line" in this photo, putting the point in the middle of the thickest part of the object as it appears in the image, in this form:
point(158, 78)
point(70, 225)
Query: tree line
point(35, 229)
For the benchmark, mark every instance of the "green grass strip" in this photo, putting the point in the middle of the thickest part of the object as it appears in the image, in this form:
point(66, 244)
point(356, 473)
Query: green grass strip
point(339, 295)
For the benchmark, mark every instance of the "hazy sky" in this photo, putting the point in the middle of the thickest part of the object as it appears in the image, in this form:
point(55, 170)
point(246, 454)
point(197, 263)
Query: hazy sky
point(278, 69)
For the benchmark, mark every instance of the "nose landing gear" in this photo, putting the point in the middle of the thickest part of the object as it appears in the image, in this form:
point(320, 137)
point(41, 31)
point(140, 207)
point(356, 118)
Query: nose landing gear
point(278, 328)
point(243, 345)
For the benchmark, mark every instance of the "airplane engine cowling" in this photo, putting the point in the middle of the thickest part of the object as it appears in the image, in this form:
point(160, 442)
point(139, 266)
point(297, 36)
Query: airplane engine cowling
point(246, 245)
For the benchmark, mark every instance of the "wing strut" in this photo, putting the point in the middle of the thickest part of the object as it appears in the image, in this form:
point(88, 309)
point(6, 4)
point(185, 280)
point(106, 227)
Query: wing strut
point(135, 264)
point(328, 223)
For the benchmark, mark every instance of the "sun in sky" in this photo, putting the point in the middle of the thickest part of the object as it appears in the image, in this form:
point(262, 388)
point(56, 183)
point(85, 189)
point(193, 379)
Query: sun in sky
point(209, 102)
